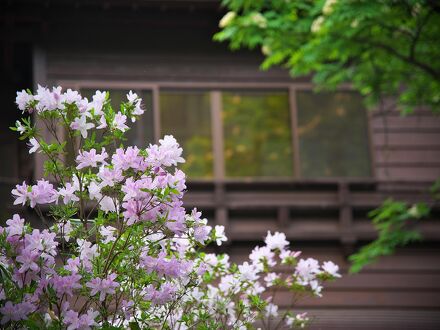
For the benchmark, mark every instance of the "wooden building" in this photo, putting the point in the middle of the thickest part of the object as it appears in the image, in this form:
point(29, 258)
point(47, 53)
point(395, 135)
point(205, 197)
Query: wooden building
point(263, 151)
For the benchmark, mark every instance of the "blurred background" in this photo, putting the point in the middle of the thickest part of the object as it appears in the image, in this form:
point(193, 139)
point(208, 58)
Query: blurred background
point(263, 150)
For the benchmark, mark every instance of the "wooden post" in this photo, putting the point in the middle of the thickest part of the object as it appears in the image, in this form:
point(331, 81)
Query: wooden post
point(347, 235)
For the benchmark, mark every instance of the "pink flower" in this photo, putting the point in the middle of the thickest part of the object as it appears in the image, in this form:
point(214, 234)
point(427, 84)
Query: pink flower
point(103, 286)
point(68, 192)
point(21, 193)
point(66, 284)
point(15, 226)
point(72, 265)
point(49, 100)
point(167, 154)
point(201, 233)
point(102, 122)
point(90, 158)
point(42, 193)
point(159, 297)
point(71, 97)
point(83, 322)
point(109, 176)
point(28, 260)
point(80, 124)
point(125, 159)
point(16, 312)
point(87, 252)
point(119, 122)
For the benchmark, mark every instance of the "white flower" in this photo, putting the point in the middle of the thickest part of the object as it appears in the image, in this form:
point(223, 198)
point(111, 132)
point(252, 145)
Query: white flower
point(81, 125)
point(68, 192)
point(34, 145)
point(48, 100)
point(289, 320)
point(102, 122)
point(271, 278)
point(138, 108)
point(20, 128)
point(271, 310)
point(331, 268)
point(276, 241)
point(108, 234)
point(248, 272)
point(259, 254)
point(72, 97)
point(107, 204)
point(23, 99)
point(220, 235)
point(131, 97)
point(306, 270)
point(119, 122)
point(98, 102)
point(316, 288)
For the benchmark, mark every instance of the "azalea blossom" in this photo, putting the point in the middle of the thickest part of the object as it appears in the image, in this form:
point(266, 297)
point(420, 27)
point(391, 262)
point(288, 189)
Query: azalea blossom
point(103, 286)
point(121, 240)
point(20, 128)
point(80, 124)
point(331, 268)
point(220, 234)
point(90, 158)
point(23, 99)
point(119, 122)
point(68, 193)
point(21, 193)
point(276, 241)
point(33, 145)
point(108, 234)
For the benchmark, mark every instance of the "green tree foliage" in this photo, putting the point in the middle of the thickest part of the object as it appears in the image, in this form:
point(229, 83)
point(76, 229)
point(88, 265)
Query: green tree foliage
point(382, 47)
point(391, 221)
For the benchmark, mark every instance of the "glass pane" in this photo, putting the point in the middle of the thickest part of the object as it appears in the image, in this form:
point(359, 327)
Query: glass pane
point(257, 134)
point(140, 133)
point(187, 116)
point(333, 135)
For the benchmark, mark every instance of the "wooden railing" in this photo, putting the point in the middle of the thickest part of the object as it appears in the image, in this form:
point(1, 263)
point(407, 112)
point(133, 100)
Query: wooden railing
point(313, 210)
point(304, 210)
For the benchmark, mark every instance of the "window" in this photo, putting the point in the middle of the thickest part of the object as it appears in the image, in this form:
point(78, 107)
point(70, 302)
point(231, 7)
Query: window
point(258, 132)
point(257, 135)
point(187, 116)
point(333, 139)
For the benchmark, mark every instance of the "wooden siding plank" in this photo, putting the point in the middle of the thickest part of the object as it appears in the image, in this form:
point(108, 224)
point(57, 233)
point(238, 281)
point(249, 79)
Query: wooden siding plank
point(407, 139)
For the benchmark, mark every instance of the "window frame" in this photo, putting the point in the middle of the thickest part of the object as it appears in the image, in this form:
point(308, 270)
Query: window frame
point(215, 90)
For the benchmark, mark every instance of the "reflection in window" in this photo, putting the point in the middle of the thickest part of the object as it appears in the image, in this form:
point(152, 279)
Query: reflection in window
point(333, 138)
point(141, 132)
point(257, 134)
point(187, 116)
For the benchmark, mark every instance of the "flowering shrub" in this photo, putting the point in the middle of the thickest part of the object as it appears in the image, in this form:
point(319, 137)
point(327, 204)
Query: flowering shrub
point(119, 250)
